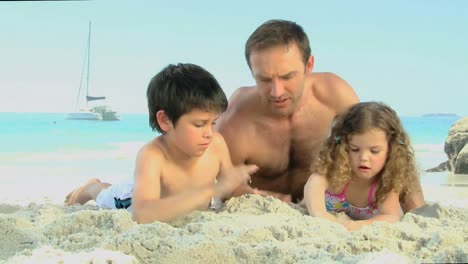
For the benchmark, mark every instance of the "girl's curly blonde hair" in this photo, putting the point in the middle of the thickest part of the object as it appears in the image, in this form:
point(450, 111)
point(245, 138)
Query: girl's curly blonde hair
point(399, 172)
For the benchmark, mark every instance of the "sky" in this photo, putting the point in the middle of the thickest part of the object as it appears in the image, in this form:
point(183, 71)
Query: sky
point(412, 55)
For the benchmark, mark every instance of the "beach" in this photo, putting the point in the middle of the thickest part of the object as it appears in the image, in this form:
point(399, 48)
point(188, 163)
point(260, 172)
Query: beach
point(248, 229)
point(36, 227)
point(69, 69)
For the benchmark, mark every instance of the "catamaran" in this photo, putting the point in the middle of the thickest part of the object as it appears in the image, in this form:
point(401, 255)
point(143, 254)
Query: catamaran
point(92, 111)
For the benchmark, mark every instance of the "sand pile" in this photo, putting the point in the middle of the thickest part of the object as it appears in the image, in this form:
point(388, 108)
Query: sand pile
point(248, 229)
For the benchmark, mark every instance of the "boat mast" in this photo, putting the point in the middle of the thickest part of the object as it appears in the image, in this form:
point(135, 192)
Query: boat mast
point(87, 73)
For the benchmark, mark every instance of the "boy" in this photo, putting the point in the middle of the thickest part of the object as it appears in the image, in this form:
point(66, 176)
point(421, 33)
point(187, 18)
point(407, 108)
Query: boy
point(175, 173)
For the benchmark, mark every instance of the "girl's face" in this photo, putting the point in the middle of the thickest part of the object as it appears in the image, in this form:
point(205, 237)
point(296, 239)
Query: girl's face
point(368, 153)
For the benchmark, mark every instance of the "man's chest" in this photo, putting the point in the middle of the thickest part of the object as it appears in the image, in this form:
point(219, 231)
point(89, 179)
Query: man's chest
point(284, 148)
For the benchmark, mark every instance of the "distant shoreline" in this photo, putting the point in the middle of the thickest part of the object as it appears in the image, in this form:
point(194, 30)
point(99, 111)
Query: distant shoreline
point(440, 115)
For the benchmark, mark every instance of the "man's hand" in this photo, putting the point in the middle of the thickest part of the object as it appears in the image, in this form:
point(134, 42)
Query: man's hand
point(230, 179)
point(281, 196)
point(246, 189)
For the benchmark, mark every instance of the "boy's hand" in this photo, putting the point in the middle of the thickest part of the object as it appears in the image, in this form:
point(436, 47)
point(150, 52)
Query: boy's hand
point(231, 178)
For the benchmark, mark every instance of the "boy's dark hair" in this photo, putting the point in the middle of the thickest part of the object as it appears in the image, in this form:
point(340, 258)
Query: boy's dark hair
point(179, 89)
point(278, 32)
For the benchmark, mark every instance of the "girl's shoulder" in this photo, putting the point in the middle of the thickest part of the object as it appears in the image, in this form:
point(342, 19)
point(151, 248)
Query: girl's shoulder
point(337, 189)
point(317, 182)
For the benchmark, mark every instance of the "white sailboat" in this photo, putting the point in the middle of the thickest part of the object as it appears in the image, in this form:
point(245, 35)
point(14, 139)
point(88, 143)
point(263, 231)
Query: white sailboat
point(83, 114)
point(96, 111)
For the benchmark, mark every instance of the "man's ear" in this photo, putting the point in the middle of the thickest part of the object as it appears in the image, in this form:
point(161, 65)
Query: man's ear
point(163, 120)
point(310, 64)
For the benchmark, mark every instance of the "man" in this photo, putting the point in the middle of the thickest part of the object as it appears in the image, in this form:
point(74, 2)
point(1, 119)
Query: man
point(280, 124)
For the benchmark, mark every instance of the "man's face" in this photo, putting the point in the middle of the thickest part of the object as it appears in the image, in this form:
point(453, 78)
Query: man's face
point(279, 73)
point(193, 132)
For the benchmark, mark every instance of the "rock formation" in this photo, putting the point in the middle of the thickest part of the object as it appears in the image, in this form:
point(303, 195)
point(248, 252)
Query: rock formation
point(456, 147)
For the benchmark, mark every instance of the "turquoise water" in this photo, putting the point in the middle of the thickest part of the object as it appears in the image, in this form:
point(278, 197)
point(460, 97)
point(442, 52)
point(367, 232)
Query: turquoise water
point(428, 130)
point(48, 132)
point(42, 154)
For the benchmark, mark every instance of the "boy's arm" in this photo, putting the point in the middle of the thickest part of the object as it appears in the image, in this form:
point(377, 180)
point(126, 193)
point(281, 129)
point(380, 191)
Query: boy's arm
point(146, 201)
point(389, 211)
point(314, 197)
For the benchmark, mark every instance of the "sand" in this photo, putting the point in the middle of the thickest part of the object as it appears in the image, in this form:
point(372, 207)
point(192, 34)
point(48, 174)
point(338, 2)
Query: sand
point(248, 229)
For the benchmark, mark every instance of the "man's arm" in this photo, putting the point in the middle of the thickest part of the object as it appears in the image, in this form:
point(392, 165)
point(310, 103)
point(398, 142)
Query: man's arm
point(146, 201)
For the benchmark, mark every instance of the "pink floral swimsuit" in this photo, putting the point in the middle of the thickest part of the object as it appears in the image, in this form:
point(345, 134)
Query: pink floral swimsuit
point(337, 203)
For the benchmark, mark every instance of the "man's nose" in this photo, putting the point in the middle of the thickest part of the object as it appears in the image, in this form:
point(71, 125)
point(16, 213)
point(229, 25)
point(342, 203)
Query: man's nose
point(277, 89)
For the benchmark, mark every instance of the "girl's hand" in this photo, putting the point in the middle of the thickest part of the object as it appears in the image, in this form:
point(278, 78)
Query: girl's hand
point(353, 225)
point(342, 218)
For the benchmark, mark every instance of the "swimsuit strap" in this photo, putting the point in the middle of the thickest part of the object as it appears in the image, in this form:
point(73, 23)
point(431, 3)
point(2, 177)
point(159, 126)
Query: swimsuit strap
point(343, 193)
point(371, 193)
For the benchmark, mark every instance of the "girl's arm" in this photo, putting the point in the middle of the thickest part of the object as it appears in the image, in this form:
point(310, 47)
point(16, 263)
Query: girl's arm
point(314, 197)
point(389, 211)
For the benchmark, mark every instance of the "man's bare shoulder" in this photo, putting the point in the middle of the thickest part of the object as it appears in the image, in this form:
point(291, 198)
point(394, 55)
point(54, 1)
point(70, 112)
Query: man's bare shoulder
point(218, 144)
point(237, 124)
point(240, 107)
point(326, 86)
point(242, 98)
point(332, 91)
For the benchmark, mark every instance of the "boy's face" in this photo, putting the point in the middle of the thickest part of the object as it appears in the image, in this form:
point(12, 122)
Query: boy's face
point(193, 132)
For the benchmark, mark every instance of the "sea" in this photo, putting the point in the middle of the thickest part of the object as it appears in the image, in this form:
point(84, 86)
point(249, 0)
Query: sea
point(45, 154)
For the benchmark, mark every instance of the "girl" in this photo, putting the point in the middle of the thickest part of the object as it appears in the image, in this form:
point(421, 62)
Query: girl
point(364, 168)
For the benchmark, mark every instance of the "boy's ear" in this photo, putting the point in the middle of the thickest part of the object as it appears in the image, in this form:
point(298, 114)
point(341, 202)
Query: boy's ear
point(163, 120)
